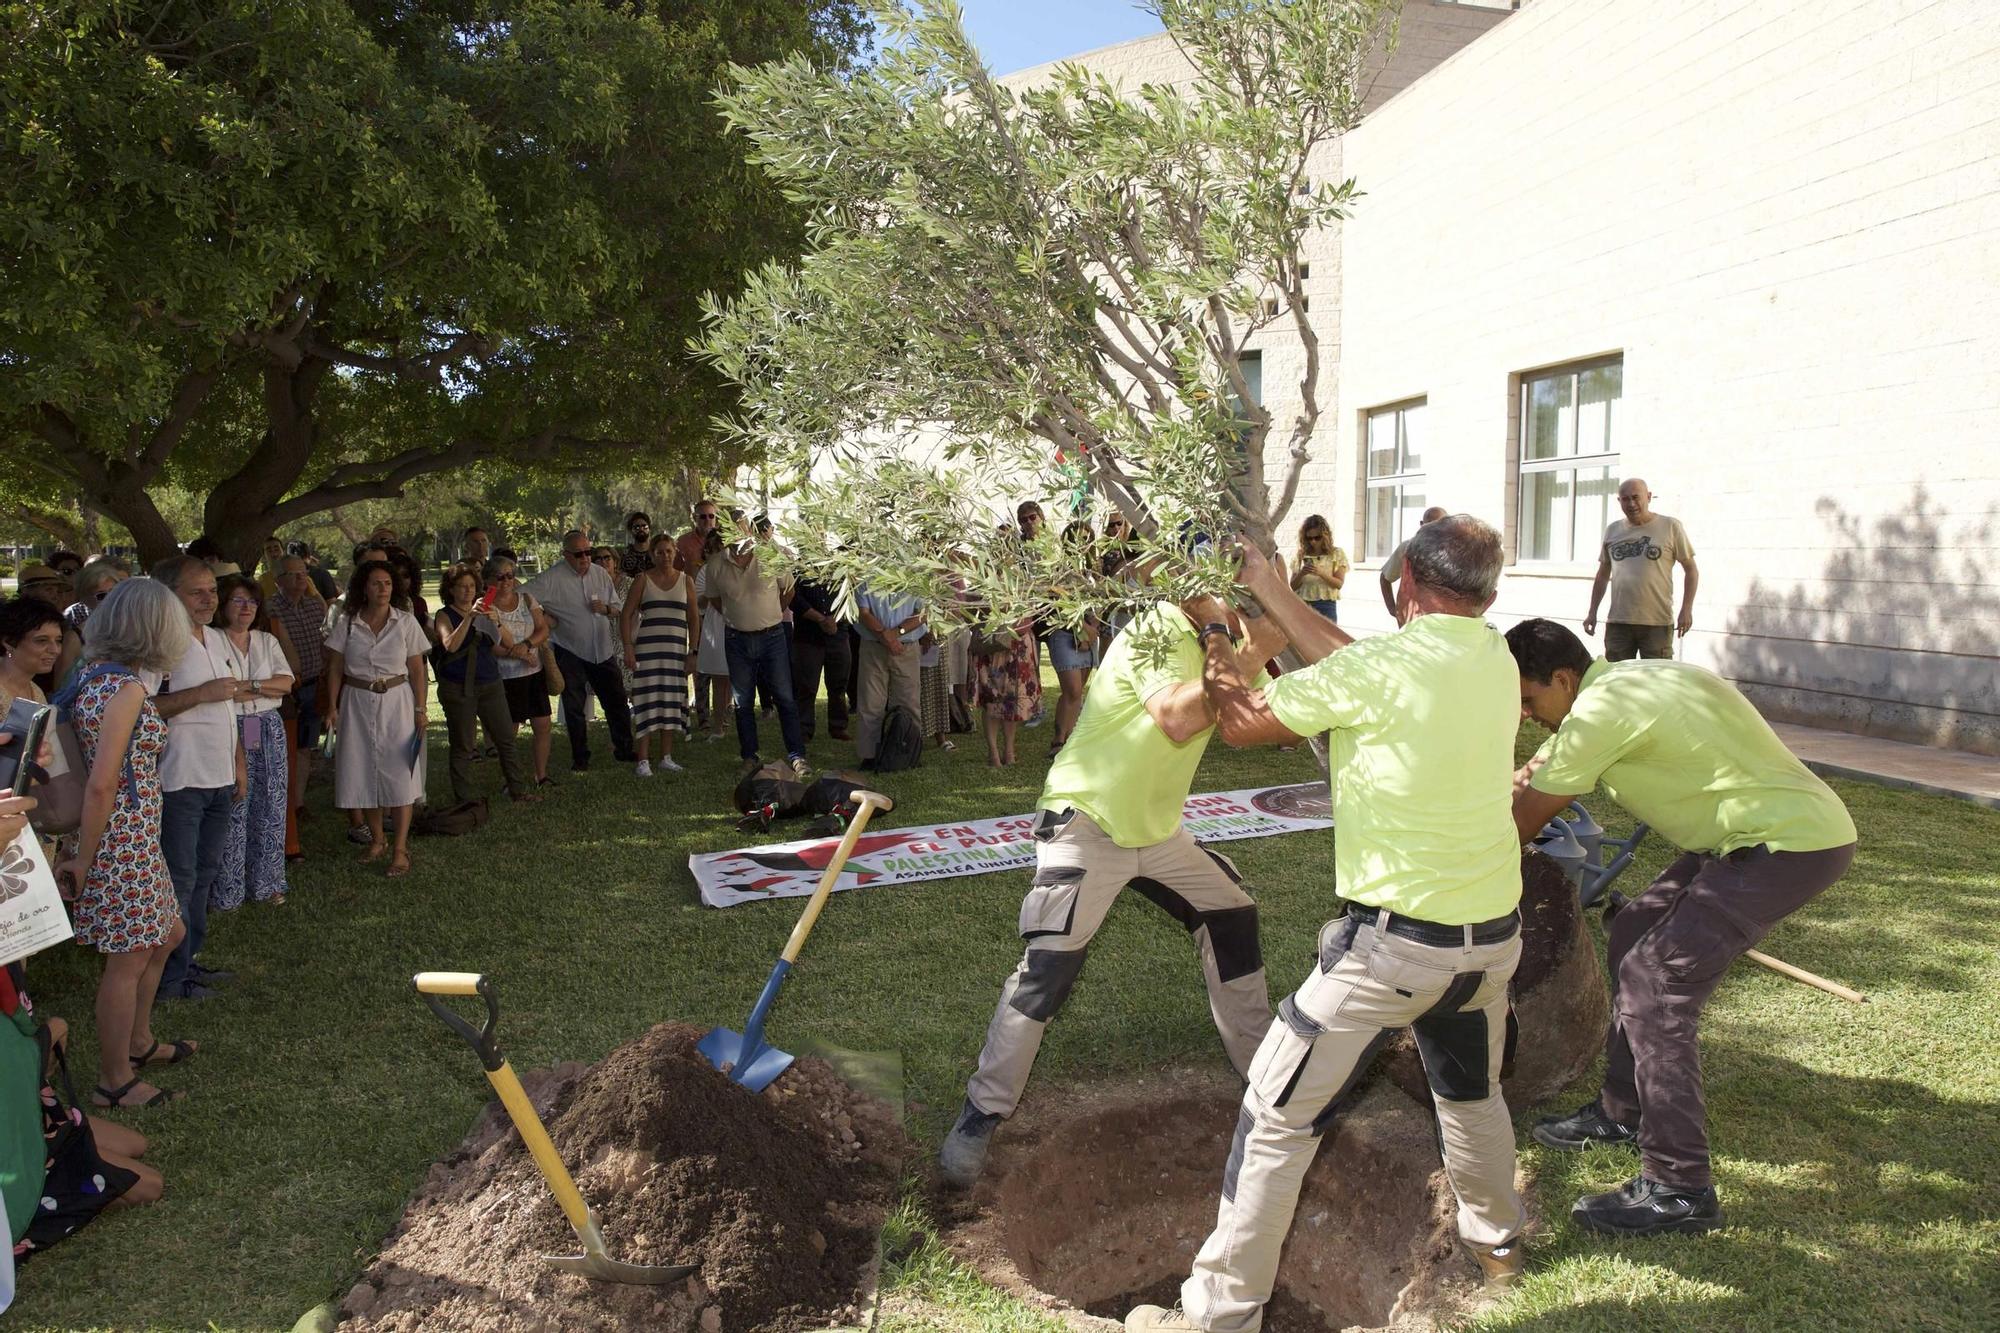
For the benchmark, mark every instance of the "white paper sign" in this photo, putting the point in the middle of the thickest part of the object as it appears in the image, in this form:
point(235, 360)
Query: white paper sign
point(32, 915)
point(905, 856)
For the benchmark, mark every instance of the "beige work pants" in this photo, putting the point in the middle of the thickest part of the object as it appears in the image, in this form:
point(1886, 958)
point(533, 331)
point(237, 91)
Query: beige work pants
point(1369, 984)
point(1079, 871)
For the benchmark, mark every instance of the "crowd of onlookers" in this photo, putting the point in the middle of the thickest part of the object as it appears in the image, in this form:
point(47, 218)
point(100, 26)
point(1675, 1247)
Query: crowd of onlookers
point(201, 698)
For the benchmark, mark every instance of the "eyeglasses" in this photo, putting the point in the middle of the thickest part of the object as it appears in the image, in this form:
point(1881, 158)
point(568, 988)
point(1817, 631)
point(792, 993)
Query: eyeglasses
point(576, 555)
point(243, 601)
point(705, 518)
point(503, 578)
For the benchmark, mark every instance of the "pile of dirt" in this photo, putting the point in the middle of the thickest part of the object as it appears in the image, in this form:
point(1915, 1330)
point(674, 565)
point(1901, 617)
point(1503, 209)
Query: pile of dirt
point(777, 1197)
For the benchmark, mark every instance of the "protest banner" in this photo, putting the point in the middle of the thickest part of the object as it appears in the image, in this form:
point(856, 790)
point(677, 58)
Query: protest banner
point(978, 847)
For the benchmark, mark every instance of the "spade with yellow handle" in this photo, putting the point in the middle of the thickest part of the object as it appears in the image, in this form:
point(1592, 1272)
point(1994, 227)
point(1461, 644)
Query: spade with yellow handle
point(595, 1261)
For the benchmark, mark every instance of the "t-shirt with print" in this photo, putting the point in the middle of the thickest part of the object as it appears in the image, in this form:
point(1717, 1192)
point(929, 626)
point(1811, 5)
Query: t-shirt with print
point(1422, 725)
point(1683, 750)
point(1117, 766)
point(1642, 557)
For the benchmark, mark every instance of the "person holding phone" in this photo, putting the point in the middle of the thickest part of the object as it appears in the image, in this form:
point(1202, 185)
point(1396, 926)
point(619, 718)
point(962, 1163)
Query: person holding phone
point(469, 684)
point(123, 900)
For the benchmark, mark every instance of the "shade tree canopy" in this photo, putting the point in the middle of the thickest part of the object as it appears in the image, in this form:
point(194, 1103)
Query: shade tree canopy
point(293, 254)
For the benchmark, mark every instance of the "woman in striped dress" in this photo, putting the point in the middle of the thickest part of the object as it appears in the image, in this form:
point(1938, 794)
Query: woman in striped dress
point(661, 627)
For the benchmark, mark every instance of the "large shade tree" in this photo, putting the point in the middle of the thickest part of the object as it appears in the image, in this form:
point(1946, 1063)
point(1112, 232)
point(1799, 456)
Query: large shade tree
point(1042, 290)
point(292, 254)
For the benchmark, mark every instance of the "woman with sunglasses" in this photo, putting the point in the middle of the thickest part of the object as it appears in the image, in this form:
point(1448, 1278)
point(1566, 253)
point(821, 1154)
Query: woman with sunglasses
point(520, 659)
point(1321, 568)
point(253, 856)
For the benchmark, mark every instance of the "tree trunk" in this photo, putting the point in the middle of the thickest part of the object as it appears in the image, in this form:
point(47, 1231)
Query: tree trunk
point(151, 532)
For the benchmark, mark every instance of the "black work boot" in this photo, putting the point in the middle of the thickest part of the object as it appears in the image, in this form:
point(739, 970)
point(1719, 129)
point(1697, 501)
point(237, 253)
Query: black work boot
point(1581, 1128)
point(964, 1150)
point(1642, 1207)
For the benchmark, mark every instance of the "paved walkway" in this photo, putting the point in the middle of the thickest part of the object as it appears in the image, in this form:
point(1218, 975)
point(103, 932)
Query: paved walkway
point(1842, 754)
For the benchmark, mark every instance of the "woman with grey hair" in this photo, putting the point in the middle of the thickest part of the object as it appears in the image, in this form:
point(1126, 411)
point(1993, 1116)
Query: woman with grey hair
point(91, 583)
point(123, 902)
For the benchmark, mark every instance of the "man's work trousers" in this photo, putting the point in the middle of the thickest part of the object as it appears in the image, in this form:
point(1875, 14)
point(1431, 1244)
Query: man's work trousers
point(886, 678)
point(1668, 950)
point(809, 659)
point(604, 680)
point(1370, 984)
point(1078, 872)
point(1624, 641)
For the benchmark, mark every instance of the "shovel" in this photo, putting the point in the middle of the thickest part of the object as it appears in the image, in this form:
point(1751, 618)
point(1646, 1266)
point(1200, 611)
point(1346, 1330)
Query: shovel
point(745, 1056)
point(595, 1261)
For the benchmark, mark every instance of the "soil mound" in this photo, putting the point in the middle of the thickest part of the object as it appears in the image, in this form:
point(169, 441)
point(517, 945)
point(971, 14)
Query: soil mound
point(777, 1197)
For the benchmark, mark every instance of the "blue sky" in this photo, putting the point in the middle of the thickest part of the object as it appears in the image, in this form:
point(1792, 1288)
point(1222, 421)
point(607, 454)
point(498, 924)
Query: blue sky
point(1014, 34)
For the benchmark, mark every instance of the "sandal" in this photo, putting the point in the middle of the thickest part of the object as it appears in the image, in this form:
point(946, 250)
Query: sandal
point(113, 1099)
point(399, 865)
point(947, 745)
point(545, 781)
point(182, 1050)
point(376, 851)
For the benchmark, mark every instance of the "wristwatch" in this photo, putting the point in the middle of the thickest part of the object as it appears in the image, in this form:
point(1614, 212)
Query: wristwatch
point(1215, 627)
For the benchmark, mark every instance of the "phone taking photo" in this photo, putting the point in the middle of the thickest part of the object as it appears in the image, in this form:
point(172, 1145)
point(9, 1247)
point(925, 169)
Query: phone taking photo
point(19, 762)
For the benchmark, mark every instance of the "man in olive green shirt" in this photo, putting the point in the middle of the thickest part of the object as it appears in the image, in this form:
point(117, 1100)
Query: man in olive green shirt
point(1683, 750)
point(1110, 816)
point(1422, 725)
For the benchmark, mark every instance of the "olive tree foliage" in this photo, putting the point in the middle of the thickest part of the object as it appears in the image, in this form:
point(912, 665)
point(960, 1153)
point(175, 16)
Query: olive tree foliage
point(1040, 291)
point(292, 255)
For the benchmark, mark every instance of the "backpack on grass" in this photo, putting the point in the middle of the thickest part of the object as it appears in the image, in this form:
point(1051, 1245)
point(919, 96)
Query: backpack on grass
point(453, 821)
point(902, 743)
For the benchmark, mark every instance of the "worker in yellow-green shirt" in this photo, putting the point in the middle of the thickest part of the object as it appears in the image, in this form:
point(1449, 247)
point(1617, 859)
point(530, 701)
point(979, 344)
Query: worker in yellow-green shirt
point(1761, 836)
point(1421, 725)
point(1110, 817)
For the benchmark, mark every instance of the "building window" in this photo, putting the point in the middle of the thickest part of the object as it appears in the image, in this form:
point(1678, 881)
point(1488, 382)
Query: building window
point(1569, 459)
point(1394, 480)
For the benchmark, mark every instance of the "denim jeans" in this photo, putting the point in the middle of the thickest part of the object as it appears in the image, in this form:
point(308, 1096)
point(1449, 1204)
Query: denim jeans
point(761, 658)
point(1326, 607)
point(194, 833)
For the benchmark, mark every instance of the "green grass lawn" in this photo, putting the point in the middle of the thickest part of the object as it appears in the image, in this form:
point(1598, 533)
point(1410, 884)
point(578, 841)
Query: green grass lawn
point(1858, 1148)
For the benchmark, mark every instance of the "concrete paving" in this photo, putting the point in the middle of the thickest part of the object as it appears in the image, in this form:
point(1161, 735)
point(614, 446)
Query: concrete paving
point(1842, 754)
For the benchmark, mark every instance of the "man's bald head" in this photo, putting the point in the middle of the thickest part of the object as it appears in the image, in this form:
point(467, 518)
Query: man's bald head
point(1635, 500)
point(1433, 514)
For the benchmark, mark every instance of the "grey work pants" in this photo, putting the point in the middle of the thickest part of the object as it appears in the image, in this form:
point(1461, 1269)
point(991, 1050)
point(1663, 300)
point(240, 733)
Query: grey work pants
point(1668, 950)
point(1079, 871)
point(1370, 984)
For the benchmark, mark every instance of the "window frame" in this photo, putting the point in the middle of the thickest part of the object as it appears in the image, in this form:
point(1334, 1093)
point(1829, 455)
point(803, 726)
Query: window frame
point(1584, 551)
point(1398, 481)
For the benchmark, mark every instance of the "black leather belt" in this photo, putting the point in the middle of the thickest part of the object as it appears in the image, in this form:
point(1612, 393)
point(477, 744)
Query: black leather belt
point(1499, 929)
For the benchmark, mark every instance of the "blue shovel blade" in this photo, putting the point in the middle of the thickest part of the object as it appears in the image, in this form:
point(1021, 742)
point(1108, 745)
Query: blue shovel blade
point(753, 1067)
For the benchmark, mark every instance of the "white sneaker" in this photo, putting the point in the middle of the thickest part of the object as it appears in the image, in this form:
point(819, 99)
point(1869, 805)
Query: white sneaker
point(670, 766)
point(643, 769)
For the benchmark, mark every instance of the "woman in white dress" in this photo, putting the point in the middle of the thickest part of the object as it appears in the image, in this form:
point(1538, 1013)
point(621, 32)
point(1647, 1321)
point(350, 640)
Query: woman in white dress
point(660, 625)
point(376, 706)
point(711, 663)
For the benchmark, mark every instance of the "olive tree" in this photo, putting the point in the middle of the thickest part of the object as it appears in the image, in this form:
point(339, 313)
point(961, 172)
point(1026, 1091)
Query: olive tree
point(1041, 290)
